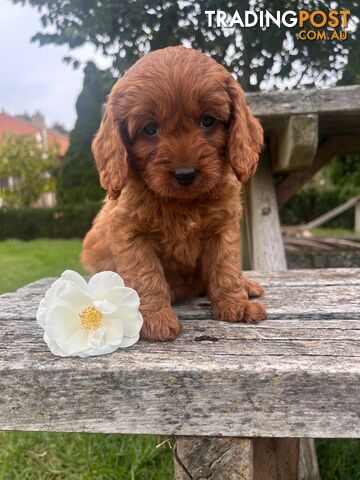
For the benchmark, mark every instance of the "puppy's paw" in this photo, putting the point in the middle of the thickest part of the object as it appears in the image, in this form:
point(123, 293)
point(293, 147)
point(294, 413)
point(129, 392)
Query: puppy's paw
point(244, 311)
point(160, 326)
point(252, 288)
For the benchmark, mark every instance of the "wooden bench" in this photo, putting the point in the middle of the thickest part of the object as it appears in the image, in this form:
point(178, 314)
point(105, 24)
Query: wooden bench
point(254, 389)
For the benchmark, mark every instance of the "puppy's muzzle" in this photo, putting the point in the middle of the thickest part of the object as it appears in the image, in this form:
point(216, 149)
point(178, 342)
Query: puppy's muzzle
point(184, 175)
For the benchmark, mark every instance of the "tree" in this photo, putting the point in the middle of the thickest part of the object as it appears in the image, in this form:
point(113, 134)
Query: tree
point(59, 127)
point(125, 29)
point(344, 173)
point(24, 116)
point(28, 163)
point(78, 178)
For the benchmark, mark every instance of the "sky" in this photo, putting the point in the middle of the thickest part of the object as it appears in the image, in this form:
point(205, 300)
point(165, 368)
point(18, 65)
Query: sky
point(36, 78)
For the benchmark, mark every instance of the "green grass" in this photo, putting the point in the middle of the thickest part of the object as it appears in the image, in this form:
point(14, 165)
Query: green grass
point(59, 456)
point(332, 232)
point(339, 459)
point(65, 456)
point(23, 262)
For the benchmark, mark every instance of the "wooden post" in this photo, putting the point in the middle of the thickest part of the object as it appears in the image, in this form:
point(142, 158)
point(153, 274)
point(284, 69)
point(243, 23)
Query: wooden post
point(280, 458)
point(357, 218)
point(265, 240)
point(295, 147)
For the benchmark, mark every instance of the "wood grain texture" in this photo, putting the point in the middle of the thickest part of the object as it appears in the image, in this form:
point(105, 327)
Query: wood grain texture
point(295, 375)
point(325, 101)
point(265, 240)
point(276, 458)
point(296, 145)
point(200, 458)
point(357, 219)
point(338, 109)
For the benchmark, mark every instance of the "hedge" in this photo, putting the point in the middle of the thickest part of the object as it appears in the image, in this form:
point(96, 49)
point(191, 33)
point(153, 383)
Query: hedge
point(74, 221)
point(310, 203)
point(59, 222)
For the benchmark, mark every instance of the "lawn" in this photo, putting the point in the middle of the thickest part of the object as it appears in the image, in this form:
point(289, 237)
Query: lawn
point(332, 232)
point(50, 456)
point(22, 262)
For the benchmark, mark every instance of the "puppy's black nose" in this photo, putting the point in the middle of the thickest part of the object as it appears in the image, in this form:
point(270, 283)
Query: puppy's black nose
point(184, 175)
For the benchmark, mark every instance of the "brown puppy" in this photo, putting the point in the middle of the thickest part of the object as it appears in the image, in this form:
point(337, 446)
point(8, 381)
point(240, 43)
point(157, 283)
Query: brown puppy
point(176, 127)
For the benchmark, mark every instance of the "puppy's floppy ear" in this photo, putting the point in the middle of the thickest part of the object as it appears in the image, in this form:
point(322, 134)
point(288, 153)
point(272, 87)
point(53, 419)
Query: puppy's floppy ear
point(245, 135)
point(110, 155)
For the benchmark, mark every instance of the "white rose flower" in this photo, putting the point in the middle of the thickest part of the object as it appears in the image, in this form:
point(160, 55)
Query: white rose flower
point(84, 319)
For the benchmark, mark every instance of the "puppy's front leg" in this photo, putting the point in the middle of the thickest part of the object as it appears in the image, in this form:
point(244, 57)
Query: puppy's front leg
point(136, 261)
point(227, 289)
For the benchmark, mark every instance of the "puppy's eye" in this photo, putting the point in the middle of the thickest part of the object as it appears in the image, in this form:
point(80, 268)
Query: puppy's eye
point(207, 121)
point(150, 129)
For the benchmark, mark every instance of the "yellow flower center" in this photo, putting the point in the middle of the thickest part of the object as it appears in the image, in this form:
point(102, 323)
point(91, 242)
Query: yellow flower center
point(91, 318)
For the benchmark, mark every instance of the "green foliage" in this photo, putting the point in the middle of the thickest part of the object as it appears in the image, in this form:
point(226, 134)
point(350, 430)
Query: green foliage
point(310, 203)
point(125, 30)
point(28, 162)
point(344, 173)
point(59, 127)
point(78, 178)
point(68, 221)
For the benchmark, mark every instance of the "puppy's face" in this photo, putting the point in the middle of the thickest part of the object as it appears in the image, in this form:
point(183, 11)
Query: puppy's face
point(177, 119)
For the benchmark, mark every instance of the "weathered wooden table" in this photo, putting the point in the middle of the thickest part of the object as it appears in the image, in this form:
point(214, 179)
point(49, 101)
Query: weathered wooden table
point(295, 375)
point(237, 398)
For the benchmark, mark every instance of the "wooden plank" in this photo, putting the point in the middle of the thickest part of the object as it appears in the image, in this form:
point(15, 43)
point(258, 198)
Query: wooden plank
point(132, 393)
point(262, 380)
point(327, 101)
point(319, 277)
point(296, 145)
point(323, 300)
point(357, 219)
point(229, 458)
point(266, 246)
point(336, 145)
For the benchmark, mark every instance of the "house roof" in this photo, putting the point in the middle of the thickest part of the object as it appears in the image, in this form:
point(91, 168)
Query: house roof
point(16, 126)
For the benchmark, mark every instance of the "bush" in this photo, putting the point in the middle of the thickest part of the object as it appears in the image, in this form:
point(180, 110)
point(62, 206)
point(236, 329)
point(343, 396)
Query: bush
point(310, 203)
point(70, 221)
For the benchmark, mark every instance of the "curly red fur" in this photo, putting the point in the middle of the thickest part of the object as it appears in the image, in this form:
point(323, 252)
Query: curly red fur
point(167, 240)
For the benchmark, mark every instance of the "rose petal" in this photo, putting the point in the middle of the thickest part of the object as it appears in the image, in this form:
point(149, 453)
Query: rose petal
point(124, 296)
point(76, 343)
point(114, 330)
point(101, 283)
point(93, 352)
point(61, 323)
point(95, 339)
point(72, 294)
point(128, 341)
point(130, 323)
point(105, 306)
point(75, 277)
point(53, 346)
point(48, 301)
point(41, 312)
